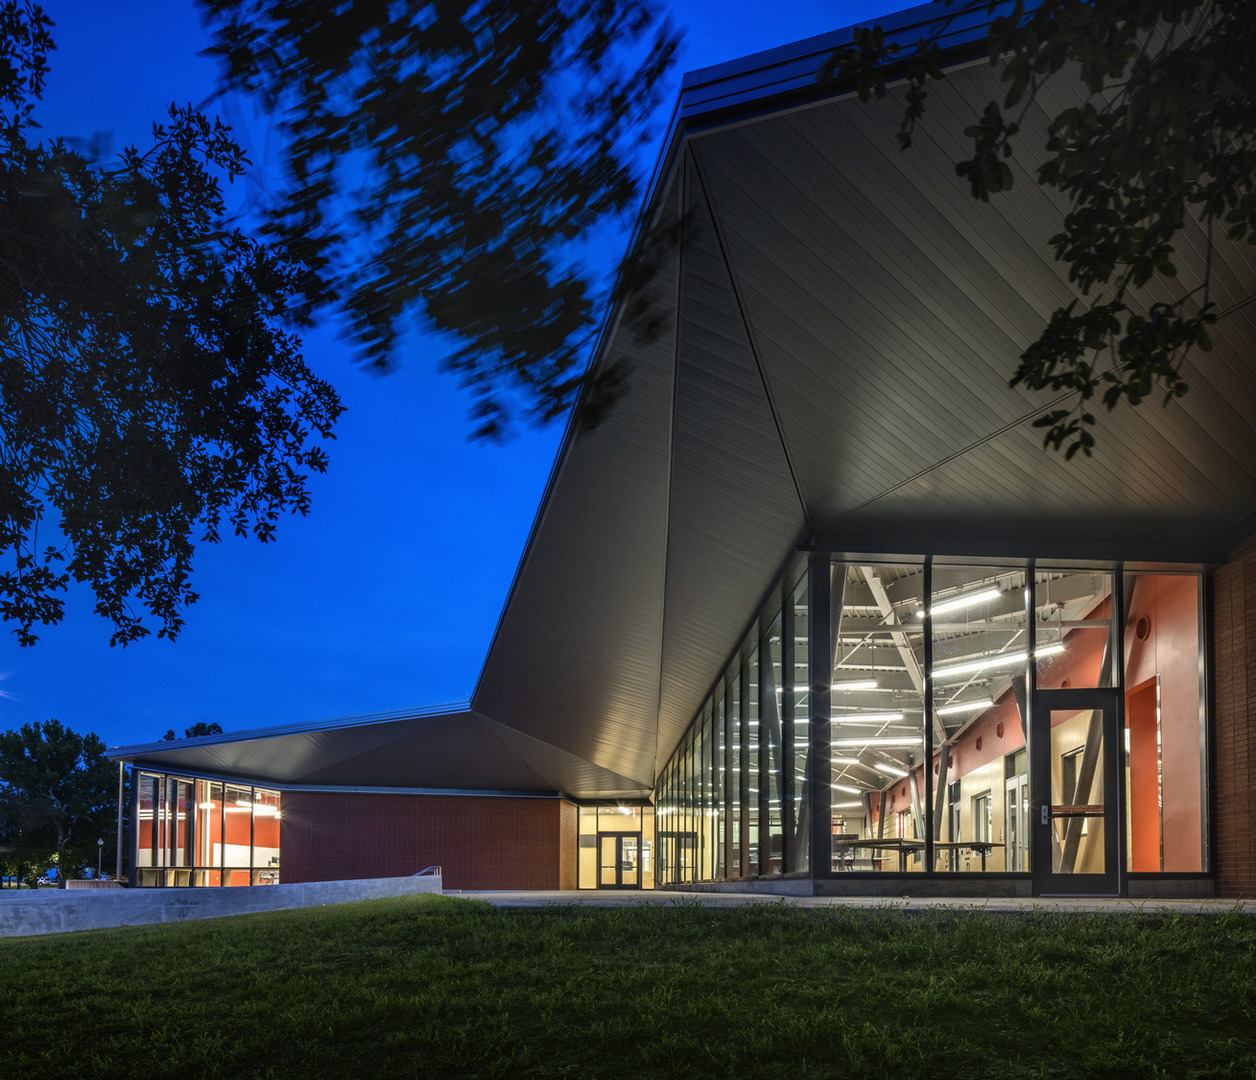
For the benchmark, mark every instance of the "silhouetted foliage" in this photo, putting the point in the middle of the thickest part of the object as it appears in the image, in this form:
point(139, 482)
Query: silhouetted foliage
point(148, 388)
point(194, 732)
point(58, 796)
point(1166, 132)
point(441, 163)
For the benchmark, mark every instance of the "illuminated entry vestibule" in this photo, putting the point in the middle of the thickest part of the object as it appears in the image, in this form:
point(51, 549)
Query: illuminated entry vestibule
point(1040, 724)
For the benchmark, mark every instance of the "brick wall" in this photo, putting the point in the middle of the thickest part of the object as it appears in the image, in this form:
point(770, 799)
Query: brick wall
point(568, 851)
point(480, 842)
point(1234, 719)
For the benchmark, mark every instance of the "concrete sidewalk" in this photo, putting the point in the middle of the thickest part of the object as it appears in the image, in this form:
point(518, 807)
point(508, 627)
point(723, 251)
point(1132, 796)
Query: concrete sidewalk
point(1000, 905)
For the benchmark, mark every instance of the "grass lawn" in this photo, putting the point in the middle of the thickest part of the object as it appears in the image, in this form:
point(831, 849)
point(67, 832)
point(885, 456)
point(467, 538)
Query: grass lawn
point(441, 987)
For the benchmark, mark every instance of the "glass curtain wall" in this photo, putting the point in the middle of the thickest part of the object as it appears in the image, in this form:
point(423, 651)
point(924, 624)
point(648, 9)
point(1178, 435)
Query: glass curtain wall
point(942, 786)
point(732, 802)
point(193, 832)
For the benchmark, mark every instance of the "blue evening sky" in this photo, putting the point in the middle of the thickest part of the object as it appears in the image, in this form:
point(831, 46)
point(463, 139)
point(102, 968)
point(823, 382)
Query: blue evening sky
point(386, 596)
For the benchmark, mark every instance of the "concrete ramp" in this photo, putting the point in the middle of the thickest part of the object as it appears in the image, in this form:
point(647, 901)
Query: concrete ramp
point(57, 911)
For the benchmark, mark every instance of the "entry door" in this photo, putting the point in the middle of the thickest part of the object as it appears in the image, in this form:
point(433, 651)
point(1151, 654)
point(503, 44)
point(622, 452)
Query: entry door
point(1016, 811)
point(619, 860)
point(1016, 827)
point(1075, 793)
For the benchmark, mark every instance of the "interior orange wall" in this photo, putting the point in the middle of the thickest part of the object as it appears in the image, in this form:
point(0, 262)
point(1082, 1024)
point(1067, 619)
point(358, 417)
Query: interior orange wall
point(1144, 794)
point(1171, 650)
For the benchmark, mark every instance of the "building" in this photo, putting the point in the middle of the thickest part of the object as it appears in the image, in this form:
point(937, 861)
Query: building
point(812, 610)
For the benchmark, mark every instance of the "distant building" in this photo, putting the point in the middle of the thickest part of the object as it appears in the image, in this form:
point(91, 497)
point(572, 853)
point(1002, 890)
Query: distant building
point(812, 610)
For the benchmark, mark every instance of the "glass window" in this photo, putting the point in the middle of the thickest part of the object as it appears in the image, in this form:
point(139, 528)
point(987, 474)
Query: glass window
point(238, 840)
point(750, 749)
point(877, 713)
point(209, 828)
point(1073, 624)
point(706, 805)
point(148, 811)
point(983, 817)
point(1164, 728)
point(586, 861)
point(1077, 795)
point(719, 810)
point(979, 666)
point(770, 749)
point(266, 815)
point(736, 793)
point(801, 757)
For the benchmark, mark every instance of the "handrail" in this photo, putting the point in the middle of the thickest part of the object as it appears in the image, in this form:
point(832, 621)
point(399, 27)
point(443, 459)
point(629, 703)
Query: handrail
point(429, 871)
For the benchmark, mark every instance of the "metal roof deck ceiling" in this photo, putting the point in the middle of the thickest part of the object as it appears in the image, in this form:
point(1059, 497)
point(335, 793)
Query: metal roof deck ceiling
point(844, 321)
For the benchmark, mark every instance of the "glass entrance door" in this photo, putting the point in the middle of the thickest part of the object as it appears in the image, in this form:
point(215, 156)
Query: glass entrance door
point(1016, 815)
point(1074, 784)
point(619, 860)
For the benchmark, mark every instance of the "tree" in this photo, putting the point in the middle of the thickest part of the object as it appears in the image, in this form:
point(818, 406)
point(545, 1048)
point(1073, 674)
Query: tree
point(1167, 131)
point(148, 387)
point(58, 796)
point(194, 732)
point(442, 160)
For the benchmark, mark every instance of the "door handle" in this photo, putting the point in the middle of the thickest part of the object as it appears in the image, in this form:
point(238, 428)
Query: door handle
point(1044, 813)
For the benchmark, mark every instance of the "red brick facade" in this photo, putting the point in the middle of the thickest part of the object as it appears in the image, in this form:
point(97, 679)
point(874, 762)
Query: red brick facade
point(1234, 719)
point(480, 842)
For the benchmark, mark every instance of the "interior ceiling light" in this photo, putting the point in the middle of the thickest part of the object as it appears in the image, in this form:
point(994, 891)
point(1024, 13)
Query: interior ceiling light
point(847, 761)
point(1002, 660)
point(963, 706)
point(879, 740)
point(868, 718)
point(848, 790)
point(889, 770)
point(855, 684)
point(957, 602)
point(848, 806)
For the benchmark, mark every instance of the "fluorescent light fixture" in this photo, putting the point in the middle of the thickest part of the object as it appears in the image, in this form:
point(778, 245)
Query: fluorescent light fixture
point(963, 706)
point(206, 805)
point(848, 790)
point(967, 600)
point(889, 770)
point(847, 761)
point(868, 718)
point(855, 684)
point(848, 806)
point(878, 740)
point(1002, 660)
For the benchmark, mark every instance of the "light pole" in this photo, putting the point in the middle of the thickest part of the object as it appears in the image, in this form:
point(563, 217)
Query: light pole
point(100, 850)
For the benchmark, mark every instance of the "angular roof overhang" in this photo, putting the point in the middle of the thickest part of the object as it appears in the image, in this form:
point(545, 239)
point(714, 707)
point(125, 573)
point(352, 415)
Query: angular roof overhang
point(842, 320)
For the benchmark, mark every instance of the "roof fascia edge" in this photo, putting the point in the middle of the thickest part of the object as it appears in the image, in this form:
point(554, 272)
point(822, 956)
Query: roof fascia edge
point(785, 76)
point(304, 727)
point(349, 789)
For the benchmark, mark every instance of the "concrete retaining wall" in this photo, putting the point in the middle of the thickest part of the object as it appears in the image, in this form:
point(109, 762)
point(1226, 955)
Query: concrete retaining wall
point(56, 911)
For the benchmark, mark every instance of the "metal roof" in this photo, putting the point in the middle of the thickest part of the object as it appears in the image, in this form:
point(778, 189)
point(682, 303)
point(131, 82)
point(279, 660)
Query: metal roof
point(844, 319)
